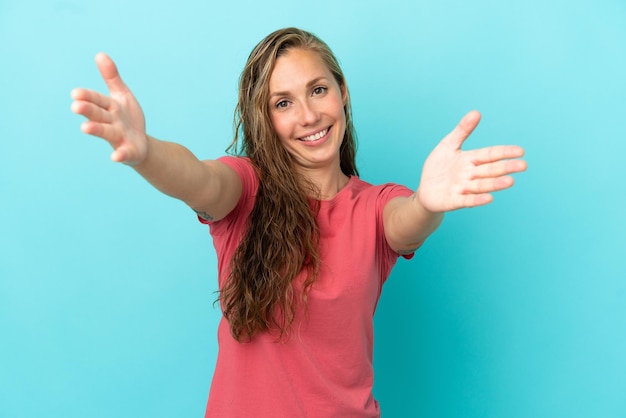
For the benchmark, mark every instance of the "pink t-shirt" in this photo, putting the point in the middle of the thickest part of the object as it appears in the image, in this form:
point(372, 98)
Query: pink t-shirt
point(324, 369)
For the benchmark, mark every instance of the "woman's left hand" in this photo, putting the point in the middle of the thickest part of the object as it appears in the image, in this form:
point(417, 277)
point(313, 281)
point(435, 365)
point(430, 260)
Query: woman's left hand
point(454, 179)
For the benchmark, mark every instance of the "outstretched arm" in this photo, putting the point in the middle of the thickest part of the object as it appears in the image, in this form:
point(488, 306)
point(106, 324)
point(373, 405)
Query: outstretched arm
point(451, 179)
point(209, 187)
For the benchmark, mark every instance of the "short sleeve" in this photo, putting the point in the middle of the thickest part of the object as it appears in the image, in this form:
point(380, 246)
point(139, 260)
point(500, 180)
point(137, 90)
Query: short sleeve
point(388, 192)
point(249, 182)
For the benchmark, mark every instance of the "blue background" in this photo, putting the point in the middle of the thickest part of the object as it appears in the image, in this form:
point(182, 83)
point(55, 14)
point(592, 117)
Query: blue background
point(517, 309)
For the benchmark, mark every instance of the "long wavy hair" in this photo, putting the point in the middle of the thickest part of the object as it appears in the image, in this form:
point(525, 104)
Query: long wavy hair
point(282, 235)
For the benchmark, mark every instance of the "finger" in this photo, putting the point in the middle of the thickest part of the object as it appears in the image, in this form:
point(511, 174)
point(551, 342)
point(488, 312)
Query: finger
point(473, 200)
point(102, 130)
point(91, 96)
point(499, 169)
point(110, 74)
point(488, 185)
point(92, 112)
point(496, 153)
point(120, 155)
point(463, 130)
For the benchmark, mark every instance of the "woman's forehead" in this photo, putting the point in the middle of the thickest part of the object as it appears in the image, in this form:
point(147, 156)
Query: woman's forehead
point(297, 69)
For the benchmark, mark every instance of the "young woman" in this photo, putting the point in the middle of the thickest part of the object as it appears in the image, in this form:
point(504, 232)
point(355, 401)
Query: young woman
point(304, 246)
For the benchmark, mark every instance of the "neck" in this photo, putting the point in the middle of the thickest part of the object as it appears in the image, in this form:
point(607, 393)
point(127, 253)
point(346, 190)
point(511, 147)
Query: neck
point(328, 182)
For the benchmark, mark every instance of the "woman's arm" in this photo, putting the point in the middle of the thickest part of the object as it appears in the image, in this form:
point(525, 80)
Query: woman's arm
point(211, 188)
point(451, 179)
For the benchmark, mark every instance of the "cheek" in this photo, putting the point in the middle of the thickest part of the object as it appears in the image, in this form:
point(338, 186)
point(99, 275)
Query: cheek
point(281, 126)
point(340, 109)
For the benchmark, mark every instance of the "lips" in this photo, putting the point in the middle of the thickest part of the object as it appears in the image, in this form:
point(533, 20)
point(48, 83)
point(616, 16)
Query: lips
point(316, 136)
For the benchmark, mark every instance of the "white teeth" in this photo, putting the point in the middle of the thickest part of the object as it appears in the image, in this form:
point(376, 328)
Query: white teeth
point(315, 137)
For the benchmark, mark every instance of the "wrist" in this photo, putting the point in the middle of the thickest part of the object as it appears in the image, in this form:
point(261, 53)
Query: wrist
point(143, 152)
point(418, 203)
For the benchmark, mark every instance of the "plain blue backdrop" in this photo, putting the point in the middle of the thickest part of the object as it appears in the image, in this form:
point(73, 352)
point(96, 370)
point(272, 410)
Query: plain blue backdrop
point(517, 309)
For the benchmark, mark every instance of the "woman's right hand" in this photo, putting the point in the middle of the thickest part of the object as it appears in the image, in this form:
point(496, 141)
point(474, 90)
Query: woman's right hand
point(116, 118)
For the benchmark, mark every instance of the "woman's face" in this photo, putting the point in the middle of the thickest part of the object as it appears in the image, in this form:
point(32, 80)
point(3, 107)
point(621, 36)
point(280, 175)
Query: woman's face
point(307, 109)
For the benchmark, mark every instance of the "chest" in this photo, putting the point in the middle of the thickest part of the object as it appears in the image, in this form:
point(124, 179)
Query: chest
point(351, 250)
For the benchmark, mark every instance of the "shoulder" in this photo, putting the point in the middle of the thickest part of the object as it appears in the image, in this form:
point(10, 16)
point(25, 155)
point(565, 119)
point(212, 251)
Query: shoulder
point(244, 169)
point(362, 197)
point(246, 172)
point(242, 165)
point(381, 193)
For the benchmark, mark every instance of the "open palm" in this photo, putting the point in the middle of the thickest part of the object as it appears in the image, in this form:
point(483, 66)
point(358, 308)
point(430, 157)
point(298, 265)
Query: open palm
point(454, 179)
point(116, 118)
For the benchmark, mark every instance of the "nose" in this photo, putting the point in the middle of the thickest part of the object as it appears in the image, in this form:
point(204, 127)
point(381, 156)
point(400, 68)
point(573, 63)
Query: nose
point(309, 115)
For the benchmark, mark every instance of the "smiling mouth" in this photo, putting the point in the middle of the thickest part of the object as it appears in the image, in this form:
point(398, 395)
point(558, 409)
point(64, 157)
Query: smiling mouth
point(315, 136)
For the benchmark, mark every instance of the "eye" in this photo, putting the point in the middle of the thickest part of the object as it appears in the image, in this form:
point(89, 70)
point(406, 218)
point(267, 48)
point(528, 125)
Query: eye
point(282, 104)
point(319, 90)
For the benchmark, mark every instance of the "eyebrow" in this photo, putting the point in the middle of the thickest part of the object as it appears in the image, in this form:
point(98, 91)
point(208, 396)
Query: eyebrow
point(308, 85)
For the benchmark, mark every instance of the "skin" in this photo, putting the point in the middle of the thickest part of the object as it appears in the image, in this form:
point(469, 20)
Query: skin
point(451, 179)
point(304, 100)
point(209, 187)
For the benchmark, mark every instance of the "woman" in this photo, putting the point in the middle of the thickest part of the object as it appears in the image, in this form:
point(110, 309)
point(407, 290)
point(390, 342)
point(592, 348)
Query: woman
point(304, 246)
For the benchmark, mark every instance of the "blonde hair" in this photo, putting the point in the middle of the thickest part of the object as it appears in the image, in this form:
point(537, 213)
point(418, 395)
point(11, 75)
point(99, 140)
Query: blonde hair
point(282, 235)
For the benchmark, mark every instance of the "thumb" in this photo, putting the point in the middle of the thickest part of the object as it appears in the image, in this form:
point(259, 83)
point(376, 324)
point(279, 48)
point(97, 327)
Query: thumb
point(463, 130)
point(110, 74)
